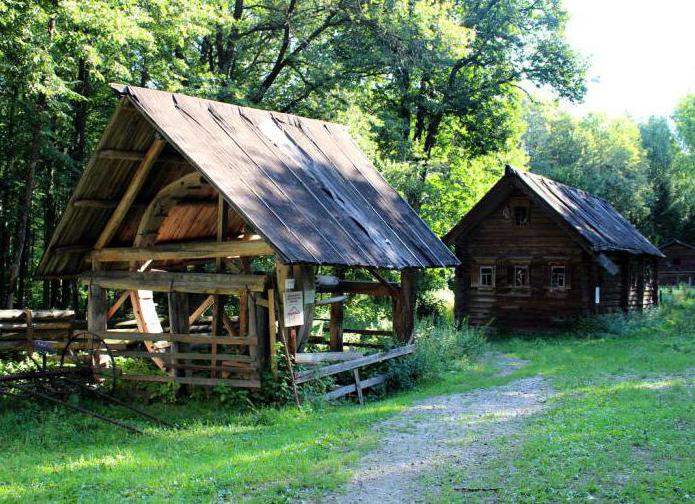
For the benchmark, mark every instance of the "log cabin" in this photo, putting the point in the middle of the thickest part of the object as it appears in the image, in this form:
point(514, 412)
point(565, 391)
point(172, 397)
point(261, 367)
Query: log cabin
point(678, 267)
point(535, 253)
point(183, 196)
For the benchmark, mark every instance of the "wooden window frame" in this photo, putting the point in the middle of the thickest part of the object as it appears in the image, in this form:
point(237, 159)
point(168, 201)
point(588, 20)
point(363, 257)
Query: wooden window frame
point(527, 216)
point(565, 284)
point(527, 284)
point(492, 269)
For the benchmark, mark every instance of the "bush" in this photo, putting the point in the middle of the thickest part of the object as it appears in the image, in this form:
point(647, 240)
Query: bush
point(441, 347)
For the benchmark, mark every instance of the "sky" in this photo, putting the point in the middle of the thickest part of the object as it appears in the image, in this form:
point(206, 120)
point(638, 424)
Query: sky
point(642, 54)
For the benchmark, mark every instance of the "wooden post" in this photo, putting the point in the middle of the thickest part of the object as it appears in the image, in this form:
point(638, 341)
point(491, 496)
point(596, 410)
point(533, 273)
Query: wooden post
point(305, 276)
point(218, 307)
point(404, 306)
point(178, 324)
point(358, 385)
point(272, 333)
point(335, 343)
point(96, 309)
point(282, 272)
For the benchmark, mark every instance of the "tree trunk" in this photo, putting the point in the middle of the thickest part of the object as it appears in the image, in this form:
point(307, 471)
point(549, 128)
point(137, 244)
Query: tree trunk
point(21, 230)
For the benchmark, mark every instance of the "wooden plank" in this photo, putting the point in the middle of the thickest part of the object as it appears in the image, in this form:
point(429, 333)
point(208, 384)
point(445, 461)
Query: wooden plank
point(185, 250)
point(272, 330)
point(130, 155)
point(193, 380)
point(316, 357)
point(45, 326)
point(369, 332)
point(178, 322)
point(207, 303)
point(115, 306)
point(131, 192)
point(358, 385)
point(314, 374)
point(336, 327)
point(37, 315)
point(180, 338)
point(348, 389)
point(331, 300)
point(202, 283)
point(96, 309)
point(172, 356)
point(360, 287)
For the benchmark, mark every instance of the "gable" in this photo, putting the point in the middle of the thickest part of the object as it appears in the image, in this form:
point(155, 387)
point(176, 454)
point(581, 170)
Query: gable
point(594, 223)
point(302, 184)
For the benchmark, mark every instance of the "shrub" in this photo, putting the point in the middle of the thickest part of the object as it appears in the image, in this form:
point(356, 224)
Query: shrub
point(441, 347)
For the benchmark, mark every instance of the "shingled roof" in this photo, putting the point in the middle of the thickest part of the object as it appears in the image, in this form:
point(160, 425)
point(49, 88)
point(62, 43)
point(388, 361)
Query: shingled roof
point(597, 225)
point(302, 184)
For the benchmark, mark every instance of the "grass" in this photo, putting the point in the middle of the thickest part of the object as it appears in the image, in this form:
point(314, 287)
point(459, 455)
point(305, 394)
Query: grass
point(619, 428)
point(621, 425)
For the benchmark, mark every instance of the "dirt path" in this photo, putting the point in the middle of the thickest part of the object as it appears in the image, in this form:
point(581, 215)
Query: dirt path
point(439, 432)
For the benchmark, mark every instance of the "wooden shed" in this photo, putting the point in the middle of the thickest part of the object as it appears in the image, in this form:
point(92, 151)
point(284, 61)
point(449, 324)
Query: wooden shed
point(182, 193)
point(535, 252)
point(678, 265)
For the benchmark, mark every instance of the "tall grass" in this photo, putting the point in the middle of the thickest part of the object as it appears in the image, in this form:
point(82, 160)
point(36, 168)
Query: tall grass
point(441, 347)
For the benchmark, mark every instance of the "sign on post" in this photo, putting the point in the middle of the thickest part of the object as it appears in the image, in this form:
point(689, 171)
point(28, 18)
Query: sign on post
point(294, 308)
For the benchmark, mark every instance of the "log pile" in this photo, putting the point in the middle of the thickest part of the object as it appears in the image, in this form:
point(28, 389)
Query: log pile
point(20, 328)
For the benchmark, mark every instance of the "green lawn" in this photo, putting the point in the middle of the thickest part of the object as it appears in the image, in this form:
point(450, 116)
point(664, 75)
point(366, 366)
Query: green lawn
point(620, 427)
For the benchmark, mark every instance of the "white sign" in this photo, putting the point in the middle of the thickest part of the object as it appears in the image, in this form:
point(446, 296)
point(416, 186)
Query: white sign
point(294, 308)
point(597, 295)
point(309, 296)
point(289, 283)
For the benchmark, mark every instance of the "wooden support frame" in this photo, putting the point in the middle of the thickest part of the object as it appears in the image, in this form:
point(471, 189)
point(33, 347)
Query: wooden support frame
point(333, 369)
point(185, 250)
point(131, 193)
point(194, 283)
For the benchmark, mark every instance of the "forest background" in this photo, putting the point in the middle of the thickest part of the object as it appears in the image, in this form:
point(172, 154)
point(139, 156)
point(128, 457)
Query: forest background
point(440, 94)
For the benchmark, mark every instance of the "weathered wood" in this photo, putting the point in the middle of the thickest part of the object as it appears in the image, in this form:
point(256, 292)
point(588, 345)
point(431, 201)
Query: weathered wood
point(404, 306)
point(305, 277)
point(331, 300)
point(131, 193)
point(96, 309)
point(173, 356)
point(272, 330)
point(200, 283)
point(317, 357)
point(178, 321)
point(35, 326)
point(37, 315)
point(181, 338)
point(202, 308)
point(348, 389)
point(369, 332)
point(315, 374)
point(185, 250)
point(358, 385)
point(360, 287)
point(117, 304)
point(193, 380)
point(336, 327)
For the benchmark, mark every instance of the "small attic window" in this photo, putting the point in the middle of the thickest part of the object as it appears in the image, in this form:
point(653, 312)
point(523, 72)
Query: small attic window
point(520, 215)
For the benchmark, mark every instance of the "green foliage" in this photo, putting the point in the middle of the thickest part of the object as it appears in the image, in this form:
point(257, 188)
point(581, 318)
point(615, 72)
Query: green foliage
point(441, 347)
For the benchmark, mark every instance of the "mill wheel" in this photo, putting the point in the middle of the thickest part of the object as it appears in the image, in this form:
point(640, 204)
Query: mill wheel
point(88, 351)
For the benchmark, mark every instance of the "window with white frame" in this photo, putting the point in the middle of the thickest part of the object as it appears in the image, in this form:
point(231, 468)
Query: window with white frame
point(558, 277)
point(487, 276)
point(521, 276)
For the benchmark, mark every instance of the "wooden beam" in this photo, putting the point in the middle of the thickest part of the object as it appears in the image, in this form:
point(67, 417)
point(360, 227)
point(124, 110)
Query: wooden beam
point(359, 287)
point(207, 303)
point(193, 380)
point(115, 306)
point(200, 339)
point(316, 357)
point(130, 155)
point(333, 369)
point(131, 193)
point(195, 283)
point(348, 389)
point(184, 250)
